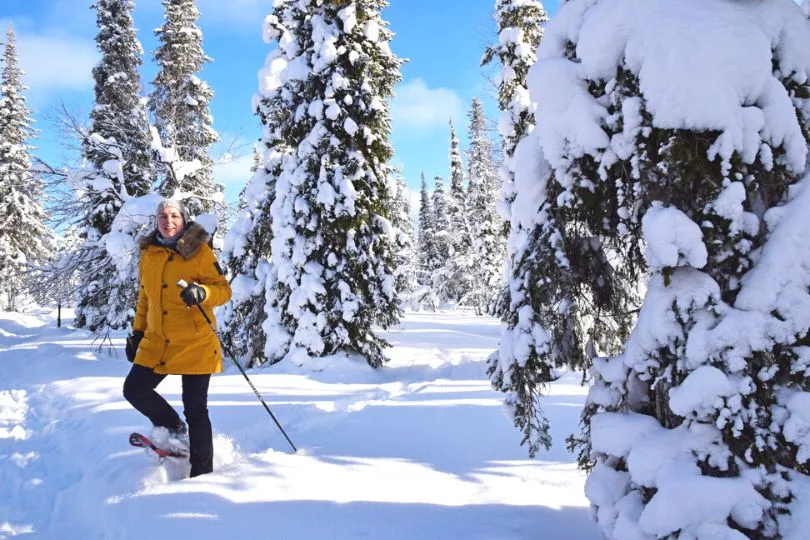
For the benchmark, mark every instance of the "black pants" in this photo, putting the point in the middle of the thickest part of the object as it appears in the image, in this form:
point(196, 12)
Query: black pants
point(139, 390)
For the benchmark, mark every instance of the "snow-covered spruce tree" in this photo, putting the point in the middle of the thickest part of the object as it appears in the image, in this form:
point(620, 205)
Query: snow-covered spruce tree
point(24, 237)
point(520, 30)
point(700, 157)
point(442, 238)
point(247, 252)
point(405, 272)
point(118, 166)
point(179, 103)
point(327, 121)
point(257, 159)
point(427, 255)
point(119, 113)
point(459, 265)
point(572, 276)
point(488, 245)
point(457, 192)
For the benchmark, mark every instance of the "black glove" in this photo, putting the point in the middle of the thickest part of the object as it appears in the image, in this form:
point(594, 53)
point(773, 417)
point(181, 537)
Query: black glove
point(133, 340)
point(193, 295)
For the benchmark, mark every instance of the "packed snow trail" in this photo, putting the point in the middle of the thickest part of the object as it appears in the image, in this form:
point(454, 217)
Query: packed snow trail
point(418, 450)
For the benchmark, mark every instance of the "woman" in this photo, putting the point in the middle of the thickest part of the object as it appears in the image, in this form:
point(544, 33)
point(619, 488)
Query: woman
point(170, 336)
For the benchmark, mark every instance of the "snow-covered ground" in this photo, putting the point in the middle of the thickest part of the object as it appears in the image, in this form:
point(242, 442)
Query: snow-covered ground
point(418, 450)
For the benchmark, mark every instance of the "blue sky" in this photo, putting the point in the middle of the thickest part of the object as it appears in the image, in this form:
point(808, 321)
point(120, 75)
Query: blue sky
point(443, 39)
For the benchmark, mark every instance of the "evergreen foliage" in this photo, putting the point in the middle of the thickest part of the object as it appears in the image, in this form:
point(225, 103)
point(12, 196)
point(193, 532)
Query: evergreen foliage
point(331, 277)
point(487, 242)
point(520, 31)
point(179, 103)
point(247, 252)
point(676, 171)
point(405, 272)
point(442, 234)
point(119, 113)
point(117, 155)
point(456, 172)
point(713, 376)
point(459, 266)
point(24, 237)
point(429, 260)
point(257, 159)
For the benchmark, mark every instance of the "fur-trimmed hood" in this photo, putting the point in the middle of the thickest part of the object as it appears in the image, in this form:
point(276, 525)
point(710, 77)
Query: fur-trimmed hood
point(193, 237)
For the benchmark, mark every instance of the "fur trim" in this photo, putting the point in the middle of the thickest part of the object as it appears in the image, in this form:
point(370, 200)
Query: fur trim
point(194, 236)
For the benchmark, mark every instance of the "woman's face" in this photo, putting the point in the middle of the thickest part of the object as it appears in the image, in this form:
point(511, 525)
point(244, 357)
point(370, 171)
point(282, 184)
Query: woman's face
point(170, 222)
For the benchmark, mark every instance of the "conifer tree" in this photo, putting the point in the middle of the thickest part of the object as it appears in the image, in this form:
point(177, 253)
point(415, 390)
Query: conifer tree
point(428, 254)
point(257, 159)
point(331, 277)
point(117, 156)
point(520, 31)
point(119, 113)
point(488, 245)
point(456, 173)
point(24, 237)
point(247, 252)
point(179, 104)
point(443, 239)
point(405, 257)
point(459, 264)
point(708, 392)
point(441, 219)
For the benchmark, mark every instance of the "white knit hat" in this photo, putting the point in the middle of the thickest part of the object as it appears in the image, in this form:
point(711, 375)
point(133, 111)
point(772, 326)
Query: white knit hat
point(174, 203)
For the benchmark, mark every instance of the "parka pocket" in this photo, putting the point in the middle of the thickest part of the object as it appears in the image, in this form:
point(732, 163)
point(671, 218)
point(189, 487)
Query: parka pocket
point(196, 322)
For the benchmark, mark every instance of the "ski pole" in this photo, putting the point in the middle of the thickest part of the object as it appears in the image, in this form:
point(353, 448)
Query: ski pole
point(182, 283)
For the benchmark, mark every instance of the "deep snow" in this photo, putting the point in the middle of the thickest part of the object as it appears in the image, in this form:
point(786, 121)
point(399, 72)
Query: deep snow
point(418, 450)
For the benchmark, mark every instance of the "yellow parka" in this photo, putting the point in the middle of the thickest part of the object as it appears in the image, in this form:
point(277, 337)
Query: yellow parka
point(177, 339)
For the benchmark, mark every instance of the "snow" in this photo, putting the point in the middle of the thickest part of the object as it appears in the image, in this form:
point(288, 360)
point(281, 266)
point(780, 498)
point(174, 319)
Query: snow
point(672, 238)
point(688, 499)
point(419, 449)
point(785, 263)
point(657, 324)
point(729, 204)
point(372, 30)
point(121, 249)
point(350, 126)
point(700, 389)
point(632, 426)
point(797, 428)
point(663, 459)
point(691, 375)
point(778, 284)
point(209, 222)
point(349, 17)
point(725, 82)
point(171, 158)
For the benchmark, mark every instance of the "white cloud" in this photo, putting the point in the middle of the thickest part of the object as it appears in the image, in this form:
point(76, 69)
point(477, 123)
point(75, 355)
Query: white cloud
point(53, 60)
point(53, 63)
point(419, 109)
